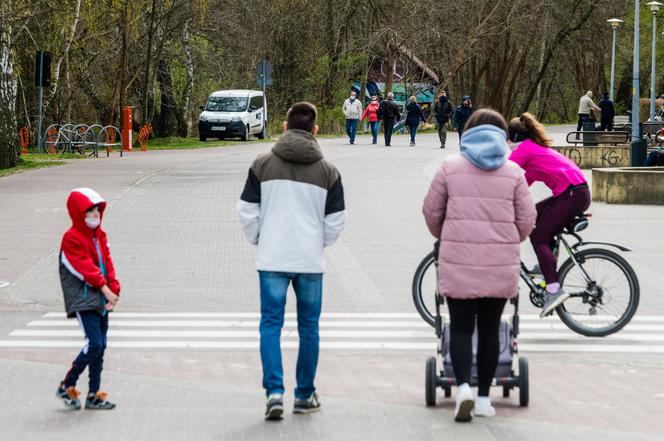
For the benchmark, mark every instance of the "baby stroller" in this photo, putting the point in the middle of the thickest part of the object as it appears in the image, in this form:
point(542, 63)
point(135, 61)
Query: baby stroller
point(512, 370)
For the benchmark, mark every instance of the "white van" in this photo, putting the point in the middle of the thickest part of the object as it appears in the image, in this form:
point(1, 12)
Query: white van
point(233, 114)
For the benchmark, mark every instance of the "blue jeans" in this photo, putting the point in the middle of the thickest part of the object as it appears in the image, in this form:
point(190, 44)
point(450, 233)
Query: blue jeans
point(95, 327)
point(309, 292)
point(374, 130)
point(413, 132)
point(351, 129)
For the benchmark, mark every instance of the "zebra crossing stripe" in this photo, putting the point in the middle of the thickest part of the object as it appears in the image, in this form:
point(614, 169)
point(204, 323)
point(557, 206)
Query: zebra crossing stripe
point(388, 331)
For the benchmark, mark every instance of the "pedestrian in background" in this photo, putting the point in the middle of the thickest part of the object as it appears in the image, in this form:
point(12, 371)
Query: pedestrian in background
point(352, 109)
point(414, 115)
point(371, 112)
point(462, 114)
point(608, 113)
point(292, 207)
point(443, 112)
point(389, 113)
point(586, 106)
point(480, 208)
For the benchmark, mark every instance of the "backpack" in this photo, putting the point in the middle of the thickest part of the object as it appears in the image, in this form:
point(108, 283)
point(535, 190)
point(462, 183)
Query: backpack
point(386, 110)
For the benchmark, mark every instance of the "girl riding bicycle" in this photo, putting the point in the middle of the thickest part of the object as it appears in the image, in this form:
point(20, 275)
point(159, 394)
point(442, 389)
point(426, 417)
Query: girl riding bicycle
point(571, 196)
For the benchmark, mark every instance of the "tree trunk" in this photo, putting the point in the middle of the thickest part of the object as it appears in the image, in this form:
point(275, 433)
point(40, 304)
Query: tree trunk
point(124, 64)
point(184, 123)
point(389, 69)
point(167, 119)
point(550, 52)
point(65, 54)
point(147, 80)
point(9, 152)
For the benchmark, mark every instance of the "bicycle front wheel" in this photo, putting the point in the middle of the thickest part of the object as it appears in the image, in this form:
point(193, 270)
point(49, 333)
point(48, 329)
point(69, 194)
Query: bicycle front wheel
point(608, 302)
point(425, 289)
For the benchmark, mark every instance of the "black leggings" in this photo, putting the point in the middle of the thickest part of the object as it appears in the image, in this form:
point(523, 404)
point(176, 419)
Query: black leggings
point(462, 324)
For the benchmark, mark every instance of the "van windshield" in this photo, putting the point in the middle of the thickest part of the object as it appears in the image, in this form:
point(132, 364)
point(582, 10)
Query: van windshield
point(226, 104)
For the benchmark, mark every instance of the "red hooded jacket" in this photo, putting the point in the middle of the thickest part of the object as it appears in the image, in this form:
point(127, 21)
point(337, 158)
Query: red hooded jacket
point(372, 112)
point(78, 250)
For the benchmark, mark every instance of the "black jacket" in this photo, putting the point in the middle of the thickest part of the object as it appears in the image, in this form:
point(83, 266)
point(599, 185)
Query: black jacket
point(414, 114)
point(608, 109)
point(388, 109)
point(443, 110)
point(462, 115)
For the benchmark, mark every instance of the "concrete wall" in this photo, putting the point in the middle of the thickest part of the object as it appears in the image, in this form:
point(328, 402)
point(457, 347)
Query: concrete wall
point(599, 156)
point(629, 185)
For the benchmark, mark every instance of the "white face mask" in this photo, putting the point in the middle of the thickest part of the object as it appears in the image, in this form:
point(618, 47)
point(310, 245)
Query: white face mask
point(92, 222)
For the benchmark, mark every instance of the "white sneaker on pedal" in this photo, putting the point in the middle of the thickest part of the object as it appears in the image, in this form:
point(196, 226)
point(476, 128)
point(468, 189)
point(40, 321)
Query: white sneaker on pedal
point(464, 404)
point(483, 408)
point(552, 301)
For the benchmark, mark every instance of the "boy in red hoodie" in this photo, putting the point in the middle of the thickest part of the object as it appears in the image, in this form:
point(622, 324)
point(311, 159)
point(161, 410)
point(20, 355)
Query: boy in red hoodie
point(90, 291)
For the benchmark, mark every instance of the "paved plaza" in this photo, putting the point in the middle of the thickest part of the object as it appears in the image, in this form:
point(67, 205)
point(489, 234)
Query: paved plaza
point(183, 361)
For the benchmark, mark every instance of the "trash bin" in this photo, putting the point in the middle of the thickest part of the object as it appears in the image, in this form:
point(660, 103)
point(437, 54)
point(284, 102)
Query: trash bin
point(639, 149)
point(589, 139)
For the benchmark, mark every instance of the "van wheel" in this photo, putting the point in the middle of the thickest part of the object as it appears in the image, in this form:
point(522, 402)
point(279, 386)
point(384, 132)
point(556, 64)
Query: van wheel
point(261, 135)
point(245, 135)
point(202, 138)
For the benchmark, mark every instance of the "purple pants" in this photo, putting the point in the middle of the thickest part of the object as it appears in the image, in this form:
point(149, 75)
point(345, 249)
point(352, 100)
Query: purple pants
point(553, 215)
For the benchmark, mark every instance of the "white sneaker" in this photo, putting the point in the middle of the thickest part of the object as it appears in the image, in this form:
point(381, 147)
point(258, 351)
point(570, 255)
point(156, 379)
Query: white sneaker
point(484, 409)
point(464, 404)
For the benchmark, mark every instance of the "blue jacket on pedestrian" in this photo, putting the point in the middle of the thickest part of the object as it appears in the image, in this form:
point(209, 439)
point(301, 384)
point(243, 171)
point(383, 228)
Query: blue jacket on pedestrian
point(462, 114)
point(414, 114)
point(608, 109)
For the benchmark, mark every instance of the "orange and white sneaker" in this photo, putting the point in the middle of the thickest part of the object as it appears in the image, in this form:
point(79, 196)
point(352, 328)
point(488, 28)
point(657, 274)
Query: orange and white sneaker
point(98, 401)
point(69, 396)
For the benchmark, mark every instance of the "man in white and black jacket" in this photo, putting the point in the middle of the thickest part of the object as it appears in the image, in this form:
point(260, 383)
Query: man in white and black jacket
point(292, 207)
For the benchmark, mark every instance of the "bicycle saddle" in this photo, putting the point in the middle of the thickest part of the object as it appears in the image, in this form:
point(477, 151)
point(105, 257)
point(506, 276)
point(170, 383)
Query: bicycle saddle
point(579, 223)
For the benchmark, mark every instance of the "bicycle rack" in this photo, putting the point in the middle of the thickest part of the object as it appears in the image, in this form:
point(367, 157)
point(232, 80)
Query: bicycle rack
point(78, 141)
point(109, 137)
point(81, 137)
point(91, 137)
point(51, 137)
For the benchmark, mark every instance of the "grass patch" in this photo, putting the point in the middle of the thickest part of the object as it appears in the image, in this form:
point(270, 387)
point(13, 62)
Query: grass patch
point(177, 143)
point(32, 161)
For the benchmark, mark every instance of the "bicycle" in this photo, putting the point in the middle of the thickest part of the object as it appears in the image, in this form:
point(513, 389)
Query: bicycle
point(67, 138)
point(596, 279)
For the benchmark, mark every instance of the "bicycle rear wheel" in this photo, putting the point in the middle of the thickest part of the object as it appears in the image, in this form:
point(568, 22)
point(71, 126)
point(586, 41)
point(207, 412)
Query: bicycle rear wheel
point(605, 305)
point(425, 289)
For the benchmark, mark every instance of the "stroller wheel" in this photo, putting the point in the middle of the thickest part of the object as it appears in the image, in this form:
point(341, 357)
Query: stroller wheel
point(506, 392)
point(431, 382)
point(524, 395)
point(448, 392)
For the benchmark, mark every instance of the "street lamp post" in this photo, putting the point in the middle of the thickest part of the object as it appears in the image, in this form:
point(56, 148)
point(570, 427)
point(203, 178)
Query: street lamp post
point(615, 24)
point(635, 76)
point(654, 7)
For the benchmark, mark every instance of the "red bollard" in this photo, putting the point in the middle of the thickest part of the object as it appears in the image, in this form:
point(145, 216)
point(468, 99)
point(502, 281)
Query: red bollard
point(127, 139)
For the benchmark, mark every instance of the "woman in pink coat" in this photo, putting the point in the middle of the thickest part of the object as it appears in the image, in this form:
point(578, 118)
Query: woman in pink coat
point(480, 208)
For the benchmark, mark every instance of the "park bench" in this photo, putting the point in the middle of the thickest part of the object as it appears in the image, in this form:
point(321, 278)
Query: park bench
point(649, 131)
point(621, 122)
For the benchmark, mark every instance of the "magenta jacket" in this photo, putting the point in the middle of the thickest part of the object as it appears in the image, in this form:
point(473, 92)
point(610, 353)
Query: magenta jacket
point(547, 165)
point(481, 216)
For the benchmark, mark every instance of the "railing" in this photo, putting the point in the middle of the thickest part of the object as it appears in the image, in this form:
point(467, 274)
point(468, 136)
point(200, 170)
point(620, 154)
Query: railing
point(591, 139)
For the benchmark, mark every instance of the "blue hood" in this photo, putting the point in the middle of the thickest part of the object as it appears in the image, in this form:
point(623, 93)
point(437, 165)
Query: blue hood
point(485, 146)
